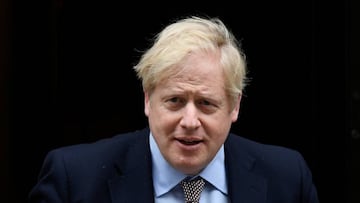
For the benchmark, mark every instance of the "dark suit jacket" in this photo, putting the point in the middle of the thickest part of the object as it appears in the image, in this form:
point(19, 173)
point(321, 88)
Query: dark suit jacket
point(118, 170)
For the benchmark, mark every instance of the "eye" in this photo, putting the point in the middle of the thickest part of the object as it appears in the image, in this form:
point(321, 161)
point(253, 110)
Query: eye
point(174, 103)
point(174, 100)
point(207, 106)
point(205, 103)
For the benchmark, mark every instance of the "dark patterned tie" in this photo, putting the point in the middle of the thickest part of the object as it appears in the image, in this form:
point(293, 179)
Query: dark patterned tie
point(192, 189)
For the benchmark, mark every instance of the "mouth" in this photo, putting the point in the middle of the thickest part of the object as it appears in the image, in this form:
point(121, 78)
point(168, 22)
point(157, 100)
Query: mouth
point(189, 142)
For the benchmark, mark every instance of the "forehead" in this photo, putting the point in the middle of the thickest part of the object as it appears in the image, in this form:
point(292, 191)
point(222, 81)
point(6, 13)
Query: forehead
point(198, 66)
point(197, 72)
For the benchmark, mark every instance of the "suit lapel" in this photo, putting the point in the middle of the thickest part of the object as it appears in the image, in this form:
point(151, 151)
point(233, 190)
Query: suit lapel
point(134, 184)
point(244, 186)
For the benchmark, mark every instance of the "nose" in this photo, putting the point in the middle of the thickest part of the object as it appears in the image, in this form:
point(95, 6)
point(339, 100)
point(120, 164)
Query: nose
point(190, 119)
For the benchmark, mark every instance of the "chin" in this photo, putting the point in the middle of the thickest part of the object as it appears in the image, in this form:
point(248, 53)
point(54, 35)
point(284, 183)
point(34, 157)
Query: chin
point(189, 169)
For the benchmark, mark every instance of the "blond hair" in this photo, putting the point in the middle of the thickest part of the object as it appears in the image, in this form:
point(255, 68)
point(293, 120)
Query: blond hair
point(188, 35)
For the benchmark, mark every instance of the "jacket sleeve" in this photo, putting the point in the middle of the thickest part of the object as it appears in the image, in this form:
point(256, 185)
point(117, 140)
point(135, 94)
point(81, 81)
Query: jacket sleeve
point(309, 192)
point(52, 185)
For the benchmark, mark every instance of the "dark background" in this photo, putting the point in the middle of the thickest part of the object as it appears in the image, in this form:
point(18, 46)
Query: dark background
point(66, 77)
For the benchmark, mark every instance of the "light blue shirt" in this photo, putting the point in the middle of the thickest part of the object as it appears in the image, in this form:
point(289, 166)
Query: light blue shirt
point(166, 179)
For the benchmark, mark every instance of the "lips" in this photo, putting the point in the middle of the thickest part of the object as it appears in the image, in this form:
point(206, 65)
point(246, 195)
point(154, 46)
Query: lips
point(189, 141)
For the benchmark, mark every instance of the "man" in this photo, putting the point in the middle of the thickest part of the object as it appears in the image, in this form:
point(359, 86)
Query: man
point(193, 78)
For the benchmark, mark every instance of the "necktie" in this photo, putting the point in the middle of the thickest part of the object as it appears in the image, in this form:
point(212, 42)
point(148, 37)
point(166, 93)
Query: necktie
point(192, 189)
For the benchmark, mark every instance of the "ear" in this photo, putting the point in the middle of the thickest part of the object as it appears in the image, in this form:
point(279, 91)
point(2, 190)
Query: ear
point(235, 111)
point(147, 103)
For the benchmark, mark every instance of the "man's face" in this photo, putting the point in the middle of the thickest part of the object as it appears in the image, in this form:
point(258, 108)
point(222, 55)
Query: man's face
point(190, 114)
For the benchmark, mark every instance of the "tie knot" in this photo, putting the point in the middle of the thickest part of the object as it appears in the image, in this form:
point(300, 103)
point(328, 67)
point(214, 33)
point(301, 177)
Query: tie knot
point(192, 189)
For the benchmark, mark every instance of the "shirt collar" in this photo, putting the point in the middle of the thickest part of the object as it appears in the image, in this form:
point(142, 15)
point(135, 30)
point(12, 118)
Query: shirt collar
point(170, 177)
point(216, 166)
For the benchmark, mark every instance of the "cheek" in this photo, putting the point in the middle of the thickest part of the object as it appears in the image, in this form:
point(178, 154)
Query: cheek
point(218, 131)
point(161, 121)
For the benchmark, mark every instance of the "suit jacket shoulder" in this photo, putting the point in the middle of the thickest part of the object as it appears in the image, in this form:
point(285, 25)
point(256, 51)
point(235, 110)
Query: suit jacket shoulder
point(266, 173)
point(93, 172)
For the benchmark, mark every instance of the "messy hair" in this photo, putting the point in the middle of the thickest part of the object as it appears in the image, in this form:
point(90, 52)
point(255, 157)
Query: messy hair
point(188, 35)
